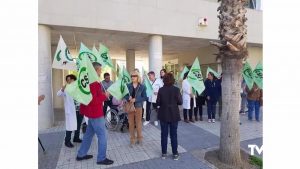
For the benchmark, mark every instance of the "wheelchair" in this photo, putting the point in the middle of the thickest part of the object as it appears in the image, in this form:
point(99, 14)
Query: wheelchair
point(115, 117)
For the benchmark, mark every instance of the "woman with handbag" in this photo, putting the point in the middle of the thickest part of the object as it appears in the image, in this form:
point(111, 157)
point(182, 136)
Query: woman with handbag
point(135, 100)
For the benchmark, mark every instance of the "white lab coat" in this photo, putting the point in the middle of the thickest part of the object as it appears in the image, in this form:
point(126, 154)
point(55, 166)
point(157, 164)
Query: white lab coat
point(186, 91)
point(155, 86)
point(70, 111)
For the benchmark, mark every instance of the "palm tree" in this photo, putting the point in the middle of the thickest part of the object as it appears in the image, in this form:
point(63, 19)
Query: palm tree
point(232, 51)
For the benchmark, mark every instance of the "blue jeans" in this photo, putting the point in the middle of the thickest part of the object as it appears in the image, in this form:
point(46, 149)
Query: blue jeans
point(253, 105)
point(211, 109)
point(173, 136)
point(95, 126)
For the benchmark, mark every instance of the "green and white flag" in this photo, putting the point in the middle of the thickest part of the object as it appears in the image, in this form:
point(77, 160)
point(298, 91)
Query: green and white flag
point(248, 75)
point(119, 89)
point(86, 52)
point(212, 71)
point(62, 58)
point(185, 69)
point(195, 77)
point(104, 54)
point(124, 74)
point(99, 59)
point(146, 81)
point(80, 89)
point(258, 75)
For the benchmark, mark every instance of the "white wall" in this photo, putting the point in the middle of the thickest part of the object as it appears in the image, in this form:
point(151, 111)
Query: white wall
point(205, 56)
point(255, 55)
point(164, 17)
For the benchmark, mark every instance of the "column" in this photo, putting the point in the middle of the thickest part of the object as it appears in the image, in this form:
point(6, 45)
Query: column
point(130, 60)
point(219, 64)
point(45, 110)
point(113, 75)
point(155, 54)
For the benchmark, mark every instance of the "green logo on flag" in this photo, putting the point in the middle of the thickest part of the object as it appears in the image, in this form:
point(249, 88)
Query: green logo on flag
point(126, 79)
point(83, 81)
point(258, 73)
point(104, 56)
point(58, 58)
point(197, 73)
point(248, 72)
point(123, 83)
point(90, 55)
point(67, 53)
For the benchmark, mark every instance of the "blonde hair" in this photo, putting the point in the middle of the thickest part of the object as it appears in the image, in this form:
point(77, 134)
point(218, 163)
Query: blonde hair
point(139, 79)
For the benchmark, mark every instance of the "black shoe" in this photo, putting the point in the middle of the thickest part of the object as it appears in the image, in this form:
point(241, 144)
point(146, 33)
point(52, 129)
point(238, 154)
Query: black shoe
point(105, 162)
point(176, 157)
point(84, 157)
point(77, 140)
point(69, 144)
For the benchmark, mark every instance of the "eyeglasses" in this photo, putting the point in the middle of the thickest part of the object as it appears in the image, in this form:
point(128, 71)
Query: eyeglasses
point(134, 75)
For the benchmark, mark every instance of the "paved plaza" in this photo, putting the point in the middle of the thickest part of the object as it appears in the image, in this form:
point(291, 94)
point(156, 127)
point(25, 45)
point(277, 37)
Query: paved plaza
point(193, 139)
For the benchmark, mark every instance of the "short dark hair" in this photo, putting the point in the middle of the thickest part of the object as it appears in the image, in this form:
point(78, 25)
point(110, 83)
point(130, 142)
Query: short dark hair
point(168, 79)
point(151, 73)
point(164, 70)
point(106, 74)
point(71, 76)
point(214, 77)
point(185, 75)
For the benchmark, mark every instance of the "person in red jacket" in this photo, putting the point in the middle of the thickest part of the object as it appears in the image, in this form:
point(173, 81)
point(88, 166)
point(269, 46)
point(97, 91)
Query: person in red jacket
point(96, 123)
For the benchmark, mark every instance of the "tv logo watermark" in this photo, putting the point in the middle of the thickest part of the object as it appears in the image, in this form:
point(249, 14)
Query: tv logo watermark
point(252, 147)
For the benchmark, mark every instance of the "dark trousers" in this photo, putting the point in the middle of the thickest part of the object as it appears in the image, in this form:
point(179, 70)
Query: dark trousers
point(148, 109)
point(220, 106)
point(143, 113)
point(198, 107)
point(165, 126)
point(211, 109)
point(79, 121)
point(107, 103)
point(190, 110)
point(185, 112)
point(77, 132)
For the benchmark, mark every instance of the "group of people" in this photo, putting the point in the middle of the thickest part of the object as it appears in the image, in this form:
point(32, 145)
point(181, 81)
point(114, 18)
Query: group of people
point(162, 105)
point(211, 94)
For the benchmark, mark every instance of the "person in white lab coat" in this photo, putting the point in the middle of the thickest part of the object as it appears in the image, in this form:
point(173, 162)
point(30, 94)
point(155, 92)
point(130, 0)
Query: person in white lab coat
point(151, 102)
point(73, 121)
point(187, 100)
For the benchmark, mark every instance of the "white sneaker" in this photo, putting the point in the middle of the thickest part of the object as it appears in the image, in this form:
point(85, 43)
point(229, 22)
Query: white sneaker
point(213, 120)
point(156, 123)
point(146, 123)
point(209, 120)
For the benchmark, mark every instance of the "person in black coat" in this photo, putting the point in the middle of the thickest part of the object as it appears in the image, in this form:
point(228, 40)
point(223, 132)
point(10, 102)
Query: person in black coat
point(168, 99)
point(212, 95)
point(200, 101)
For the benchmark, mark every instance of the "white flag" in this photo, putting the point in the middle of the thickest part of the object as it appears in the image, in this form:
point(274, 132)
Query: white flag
point(62, 58)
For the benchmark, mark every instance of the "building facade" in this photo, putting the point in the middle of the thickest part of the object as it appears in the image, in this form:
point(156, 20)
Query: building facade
point(139, 33)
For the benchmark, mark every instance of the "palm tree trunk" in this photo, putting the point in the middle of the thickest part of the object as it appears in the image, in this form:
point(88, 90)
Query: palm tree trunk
point(229, 152)
point(232, 50)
